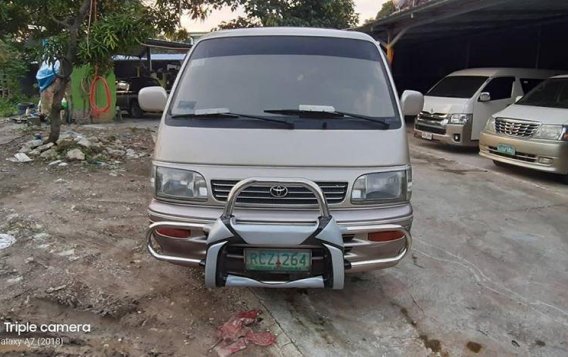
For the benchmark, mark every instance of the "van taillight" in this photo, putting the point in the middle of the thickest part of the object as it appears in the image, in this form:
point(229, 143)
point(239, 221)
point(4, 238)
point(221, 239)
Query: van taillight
point(385, 236)
point(174, 232)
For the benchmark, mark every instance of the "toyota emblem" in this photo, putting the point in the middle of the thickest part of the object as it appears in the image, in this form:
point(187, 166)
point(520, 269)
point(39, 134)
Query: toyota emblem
point(278, 191)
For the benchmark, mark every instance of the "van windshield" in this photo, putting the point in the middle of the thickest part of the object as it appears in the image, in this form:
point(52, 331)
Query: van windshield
point(457, 86)
point(254, 75)
point(551, 93)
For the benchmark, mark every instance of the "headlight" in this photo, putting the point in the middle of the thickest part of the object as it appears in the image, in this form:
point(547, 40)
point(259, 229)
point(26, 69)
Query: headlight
point(179, 184)
point(460, 118)
point(549, 132)
point(383, 187)
point(490, 125)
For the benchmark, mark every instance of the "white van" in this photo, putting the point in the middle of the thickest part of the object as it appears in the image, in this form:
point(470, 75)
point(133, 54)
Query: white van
point(457, 107)
point(281, 159)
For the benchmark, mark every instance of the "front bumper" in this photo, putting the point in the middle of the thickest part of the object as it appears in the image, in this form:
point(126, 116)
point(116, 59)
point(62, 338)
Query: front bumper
point(543, 155)
point(458, 135)
point(356, 223)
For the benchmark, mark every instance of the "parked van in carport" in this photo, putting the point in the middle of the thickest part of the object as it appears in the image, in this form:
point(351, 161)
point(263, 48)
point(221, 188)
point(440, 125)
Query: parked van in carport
point(282, 159)
point(457, 108)
point(533, 132)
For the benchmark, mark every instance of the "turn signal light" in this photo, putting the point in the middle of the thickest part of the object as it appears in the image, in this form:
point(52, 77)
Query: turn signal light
point(174, 232)
point(385, 236)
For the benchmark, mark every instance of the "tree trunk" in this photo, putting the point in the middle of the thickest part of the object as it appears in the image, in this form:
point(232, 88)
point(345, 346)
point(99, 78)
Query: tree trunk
point(63, 80)
point(55, 111)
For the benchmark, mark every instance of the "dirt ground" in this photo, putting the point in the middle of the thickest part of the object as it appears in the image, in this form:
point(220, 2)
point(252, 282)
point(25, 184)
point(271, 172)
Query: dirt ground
point(79, 258)
point(486, 275)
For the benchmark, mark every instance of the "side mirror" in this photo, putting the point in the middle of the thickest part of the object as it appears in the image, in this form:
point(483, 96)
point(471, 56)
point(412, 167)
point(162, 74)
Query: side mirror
point(518, 98)
point(411, 102)
point(485, 97)
point(122, 86)
point(152, 99)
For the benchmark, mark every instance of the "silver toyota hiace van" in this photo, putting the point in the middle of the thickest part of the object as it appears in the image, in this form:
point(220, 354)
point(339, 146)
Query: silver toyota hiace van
point(281, 159)
point(457, 107)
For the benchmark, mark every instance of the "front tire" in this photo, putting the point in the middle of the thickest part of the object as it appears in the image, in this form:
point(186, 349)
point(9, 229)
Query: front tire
point(135, 111)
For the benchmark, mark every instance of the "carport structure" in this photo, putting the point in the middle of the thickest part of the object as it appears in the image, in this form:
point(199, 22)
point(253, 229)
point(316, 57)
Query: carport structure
point(428, 41)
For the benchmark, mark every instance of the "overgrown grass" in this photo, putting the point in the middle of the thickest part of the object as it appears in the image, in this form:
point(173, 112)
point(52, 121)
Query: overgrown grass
point(6, 108)
point(9, 107)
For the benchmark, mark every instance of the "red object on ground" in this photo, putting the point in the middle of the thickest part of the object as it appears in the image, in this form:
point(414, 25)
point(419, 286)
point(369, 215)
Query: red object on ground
point(235, 334)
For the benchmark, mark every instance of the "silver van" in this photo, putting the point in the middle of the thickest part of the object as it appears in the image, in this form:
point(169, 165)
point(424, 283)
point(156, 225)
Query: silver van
point(281, 159)
point(457, 107)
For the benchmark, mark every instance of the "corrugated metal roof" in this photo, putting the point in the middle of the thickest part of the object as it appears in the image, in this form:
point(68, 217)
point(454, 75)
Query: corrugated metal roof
point(449, 18)
point(154, 56)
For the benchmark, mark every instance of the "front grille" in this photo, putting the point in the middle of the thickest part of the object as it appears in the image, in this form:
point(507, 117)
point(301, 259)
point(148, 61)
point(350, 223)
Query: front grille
point(510, 127)
point(521, 156)
point(334, 192)
point(432, 116)
point(430, 129)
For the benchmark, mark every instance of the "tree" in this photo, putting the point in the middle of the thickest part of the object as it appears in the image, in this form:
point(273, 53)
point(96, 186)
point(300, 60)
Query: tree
point(387, 9)
point(312, 13)
point(78, 32)
point(239, 22)
point(12, 68)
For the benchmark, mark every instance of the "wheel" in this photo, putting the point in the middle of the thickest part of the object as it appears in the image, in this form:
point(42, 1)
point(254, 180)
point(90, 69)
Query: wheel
point(135, 111)
point(564, 179)
point(499, 163)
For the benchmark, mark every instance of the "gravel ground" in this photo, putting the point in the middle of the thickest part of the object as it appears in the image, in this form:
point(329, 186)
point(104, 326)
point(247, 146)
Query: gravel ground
point(79, 258)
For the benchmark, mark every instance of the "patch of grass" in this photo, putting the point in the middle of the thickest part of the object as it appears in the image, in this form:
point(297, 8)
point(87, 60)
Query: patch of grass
point(9, 107)
point(6, 108)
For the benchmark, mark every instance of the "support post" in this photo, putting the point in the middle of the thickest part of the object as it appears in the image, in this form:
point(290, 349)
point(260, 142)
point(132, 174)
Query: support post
point(392, 41)
point(467, 52)
point(538, 47)
point(149, 58)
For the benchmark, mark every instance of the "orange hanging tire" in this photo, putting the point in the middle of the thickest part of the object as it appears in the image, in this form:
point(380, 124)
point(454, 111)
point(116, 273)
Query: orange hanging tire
point(96, 111)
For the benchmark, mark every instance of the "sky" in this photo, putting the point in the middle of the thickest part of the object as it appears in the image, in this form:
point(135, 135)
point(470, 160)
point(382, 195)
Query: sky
point(365, 9)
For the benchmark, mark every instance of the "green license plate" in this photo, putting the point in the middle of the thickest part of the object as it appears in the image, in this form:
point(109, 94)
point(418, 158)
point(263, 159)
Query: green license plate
point(506, 149)
point(278, 260)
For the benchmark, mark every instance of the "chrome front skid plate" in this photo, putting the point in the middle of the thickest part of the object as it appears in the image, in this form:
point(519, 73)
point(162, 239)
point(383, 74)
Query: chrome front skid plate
point(227, 234)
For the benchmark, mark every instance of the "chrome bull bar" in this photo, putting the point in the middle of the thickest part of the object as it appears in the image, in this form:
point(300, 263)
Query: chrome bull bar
point(227, 226)
point(227, 230)
point(382, 228)
point(297, 182)
point(171, 258)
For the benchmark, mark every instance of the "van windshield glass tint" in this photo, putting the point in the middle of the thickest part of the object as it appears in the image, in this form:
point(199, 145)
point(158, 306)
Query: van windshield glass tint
point(252, 74)
point(552, 93)
point(457, 86)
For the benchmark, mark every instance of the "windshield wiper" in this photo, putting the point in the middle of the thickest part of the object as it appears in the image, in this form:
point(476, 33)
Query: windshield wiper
point(222, 113)
point(327, 111)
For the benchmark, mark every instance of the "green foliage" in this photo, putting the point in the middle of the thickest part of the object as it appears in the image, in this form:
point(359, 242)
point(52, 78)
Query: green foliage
point(120, 31)
point(239, 22)
point(77, 31)
point(165, 14)
point(13, 16)
point(12, 69)
point(7, 108)
point(387, 9)
point(313, 13)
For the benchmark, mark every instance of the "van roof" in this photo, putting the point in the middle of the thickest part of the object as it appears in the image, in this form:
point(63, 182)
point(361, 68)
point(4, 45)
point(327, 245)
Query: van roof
point(561, 76)
point(289, 31)
point(497, 71)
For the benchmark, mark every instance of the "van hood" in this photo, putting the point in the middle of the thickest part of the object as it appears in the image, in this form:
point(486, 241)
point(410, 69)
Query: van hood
point(281, 147)
point(445, 105)
point(545, 115)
